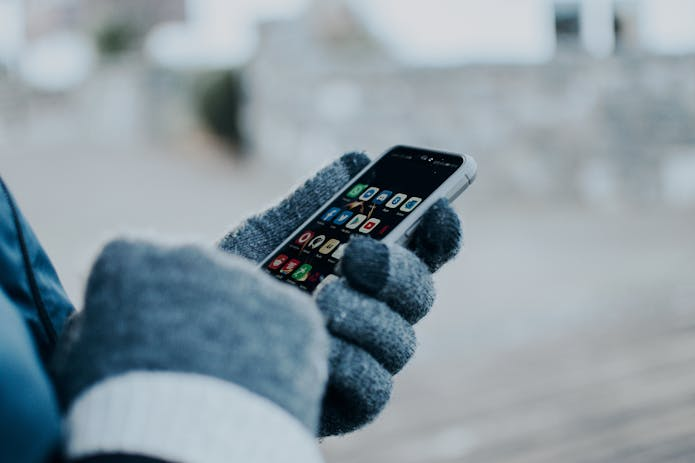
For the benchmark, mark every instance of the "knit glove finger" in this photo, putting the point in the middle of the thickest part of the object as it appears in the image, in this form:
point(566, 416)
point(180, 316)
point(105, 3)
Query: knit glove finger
point(438, 237)
point(400, 277)
point(369, 343)
point(358, 386)
point(391, 274)
point(189, 354)
point(259, 235)
point(367, 323)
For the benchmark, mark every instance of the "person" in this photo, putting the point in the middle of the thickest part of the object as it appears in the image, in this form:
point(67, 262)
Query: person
point(191, 353)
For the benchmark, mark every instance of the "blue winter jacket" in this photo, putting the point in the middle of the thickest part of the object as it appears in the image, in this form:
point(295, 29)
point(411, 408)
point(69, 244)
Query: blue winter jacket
point(33, 311)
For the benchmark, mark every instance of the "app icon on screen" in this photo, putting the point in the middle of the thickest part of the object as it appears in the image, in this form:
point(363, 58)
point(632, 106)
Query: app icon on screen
point(315, 277)
point(276, 263)
point(382, 197)
point(329, 246)
point(369, 225)
point(317, 241)
point(330, 214)
point(410, 204)
point(290, 266)
point(304, 237)
point(369, 194)
point(356, 190)
point(396, 200)
point(355, 221)
point(302, 273)
point(343, 217)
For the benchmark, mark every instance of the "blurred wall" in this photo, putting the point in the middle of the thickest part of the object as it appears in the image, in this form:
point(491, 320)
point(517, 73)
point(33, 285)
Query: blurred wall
point(601, 130)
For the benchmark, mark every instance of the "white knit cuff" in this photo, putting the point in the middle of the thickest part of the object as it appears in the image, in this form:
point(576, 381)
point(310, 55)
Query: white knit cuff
point(184, 417)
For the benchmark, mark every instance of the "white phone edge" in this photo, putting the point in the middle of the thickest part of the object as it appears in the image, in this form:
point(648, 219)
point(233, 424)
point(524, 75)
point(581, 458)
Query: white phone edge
point(450, 189)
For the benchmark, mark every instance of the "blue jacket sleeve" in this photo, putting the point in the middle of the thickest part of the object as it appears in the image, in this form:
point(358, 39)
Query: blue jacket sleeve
point(28, 279)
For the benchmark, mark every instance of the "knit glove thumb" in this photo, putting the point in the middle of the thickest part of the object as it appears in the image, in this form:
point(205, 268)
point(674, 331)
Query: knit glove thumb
point(259, 235)
point(189, 354)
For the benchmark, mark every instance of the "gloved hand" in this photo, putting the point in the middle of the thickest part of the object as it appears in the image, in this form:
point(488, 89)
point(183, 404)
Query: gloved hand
point(189, 354)
point(370, 311)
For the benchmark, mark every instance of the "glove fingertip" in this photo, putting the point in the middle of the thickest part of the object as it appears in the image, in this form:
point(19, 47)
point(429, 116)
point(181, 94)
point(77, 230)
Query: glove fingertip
point(358, 389)
point(439, 236)
point(365, 264)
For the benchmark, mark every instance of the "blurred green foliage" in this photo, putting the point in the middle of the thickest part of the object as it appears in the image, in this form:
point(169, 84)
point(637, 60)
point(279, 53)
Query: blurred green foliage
point(116, 37)
point(219, 97)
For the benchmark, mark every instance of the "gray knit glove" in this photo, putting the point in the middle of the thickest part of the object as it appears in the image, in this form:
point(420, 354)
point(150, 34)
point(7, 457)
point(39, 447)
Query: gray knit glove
point(370, 311)
point(189, 354)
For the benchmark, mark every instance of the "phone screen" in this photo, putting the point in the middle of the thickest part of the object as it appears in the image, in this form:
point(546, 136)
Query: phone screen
point(373, 205)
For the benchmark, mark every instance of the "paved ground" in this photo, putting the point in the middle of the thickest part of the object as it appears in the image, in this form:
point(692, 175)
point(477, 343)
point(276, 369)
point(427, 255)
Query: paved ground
point(612, 397)
point(563, 333)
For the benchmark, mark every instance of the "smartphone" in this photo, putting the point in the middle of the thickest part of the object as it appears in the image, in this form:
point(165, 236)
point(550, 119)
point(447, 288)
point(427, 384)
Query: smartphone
point(385, 201)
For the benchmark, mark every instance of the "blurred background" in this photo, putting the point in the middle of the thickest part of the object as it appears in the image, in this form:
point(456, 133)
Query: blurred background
point(565, 331)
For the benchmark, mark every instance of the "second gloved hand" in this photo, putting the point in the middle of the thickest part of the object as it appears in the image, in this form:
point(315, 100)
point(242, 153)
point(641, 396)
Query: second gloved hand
point(370, 311)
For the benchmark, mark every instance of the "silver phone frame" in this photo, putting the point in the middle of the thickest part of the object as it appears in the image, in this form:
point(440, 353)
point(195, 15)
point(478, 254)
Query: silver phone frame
point(452, 187)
